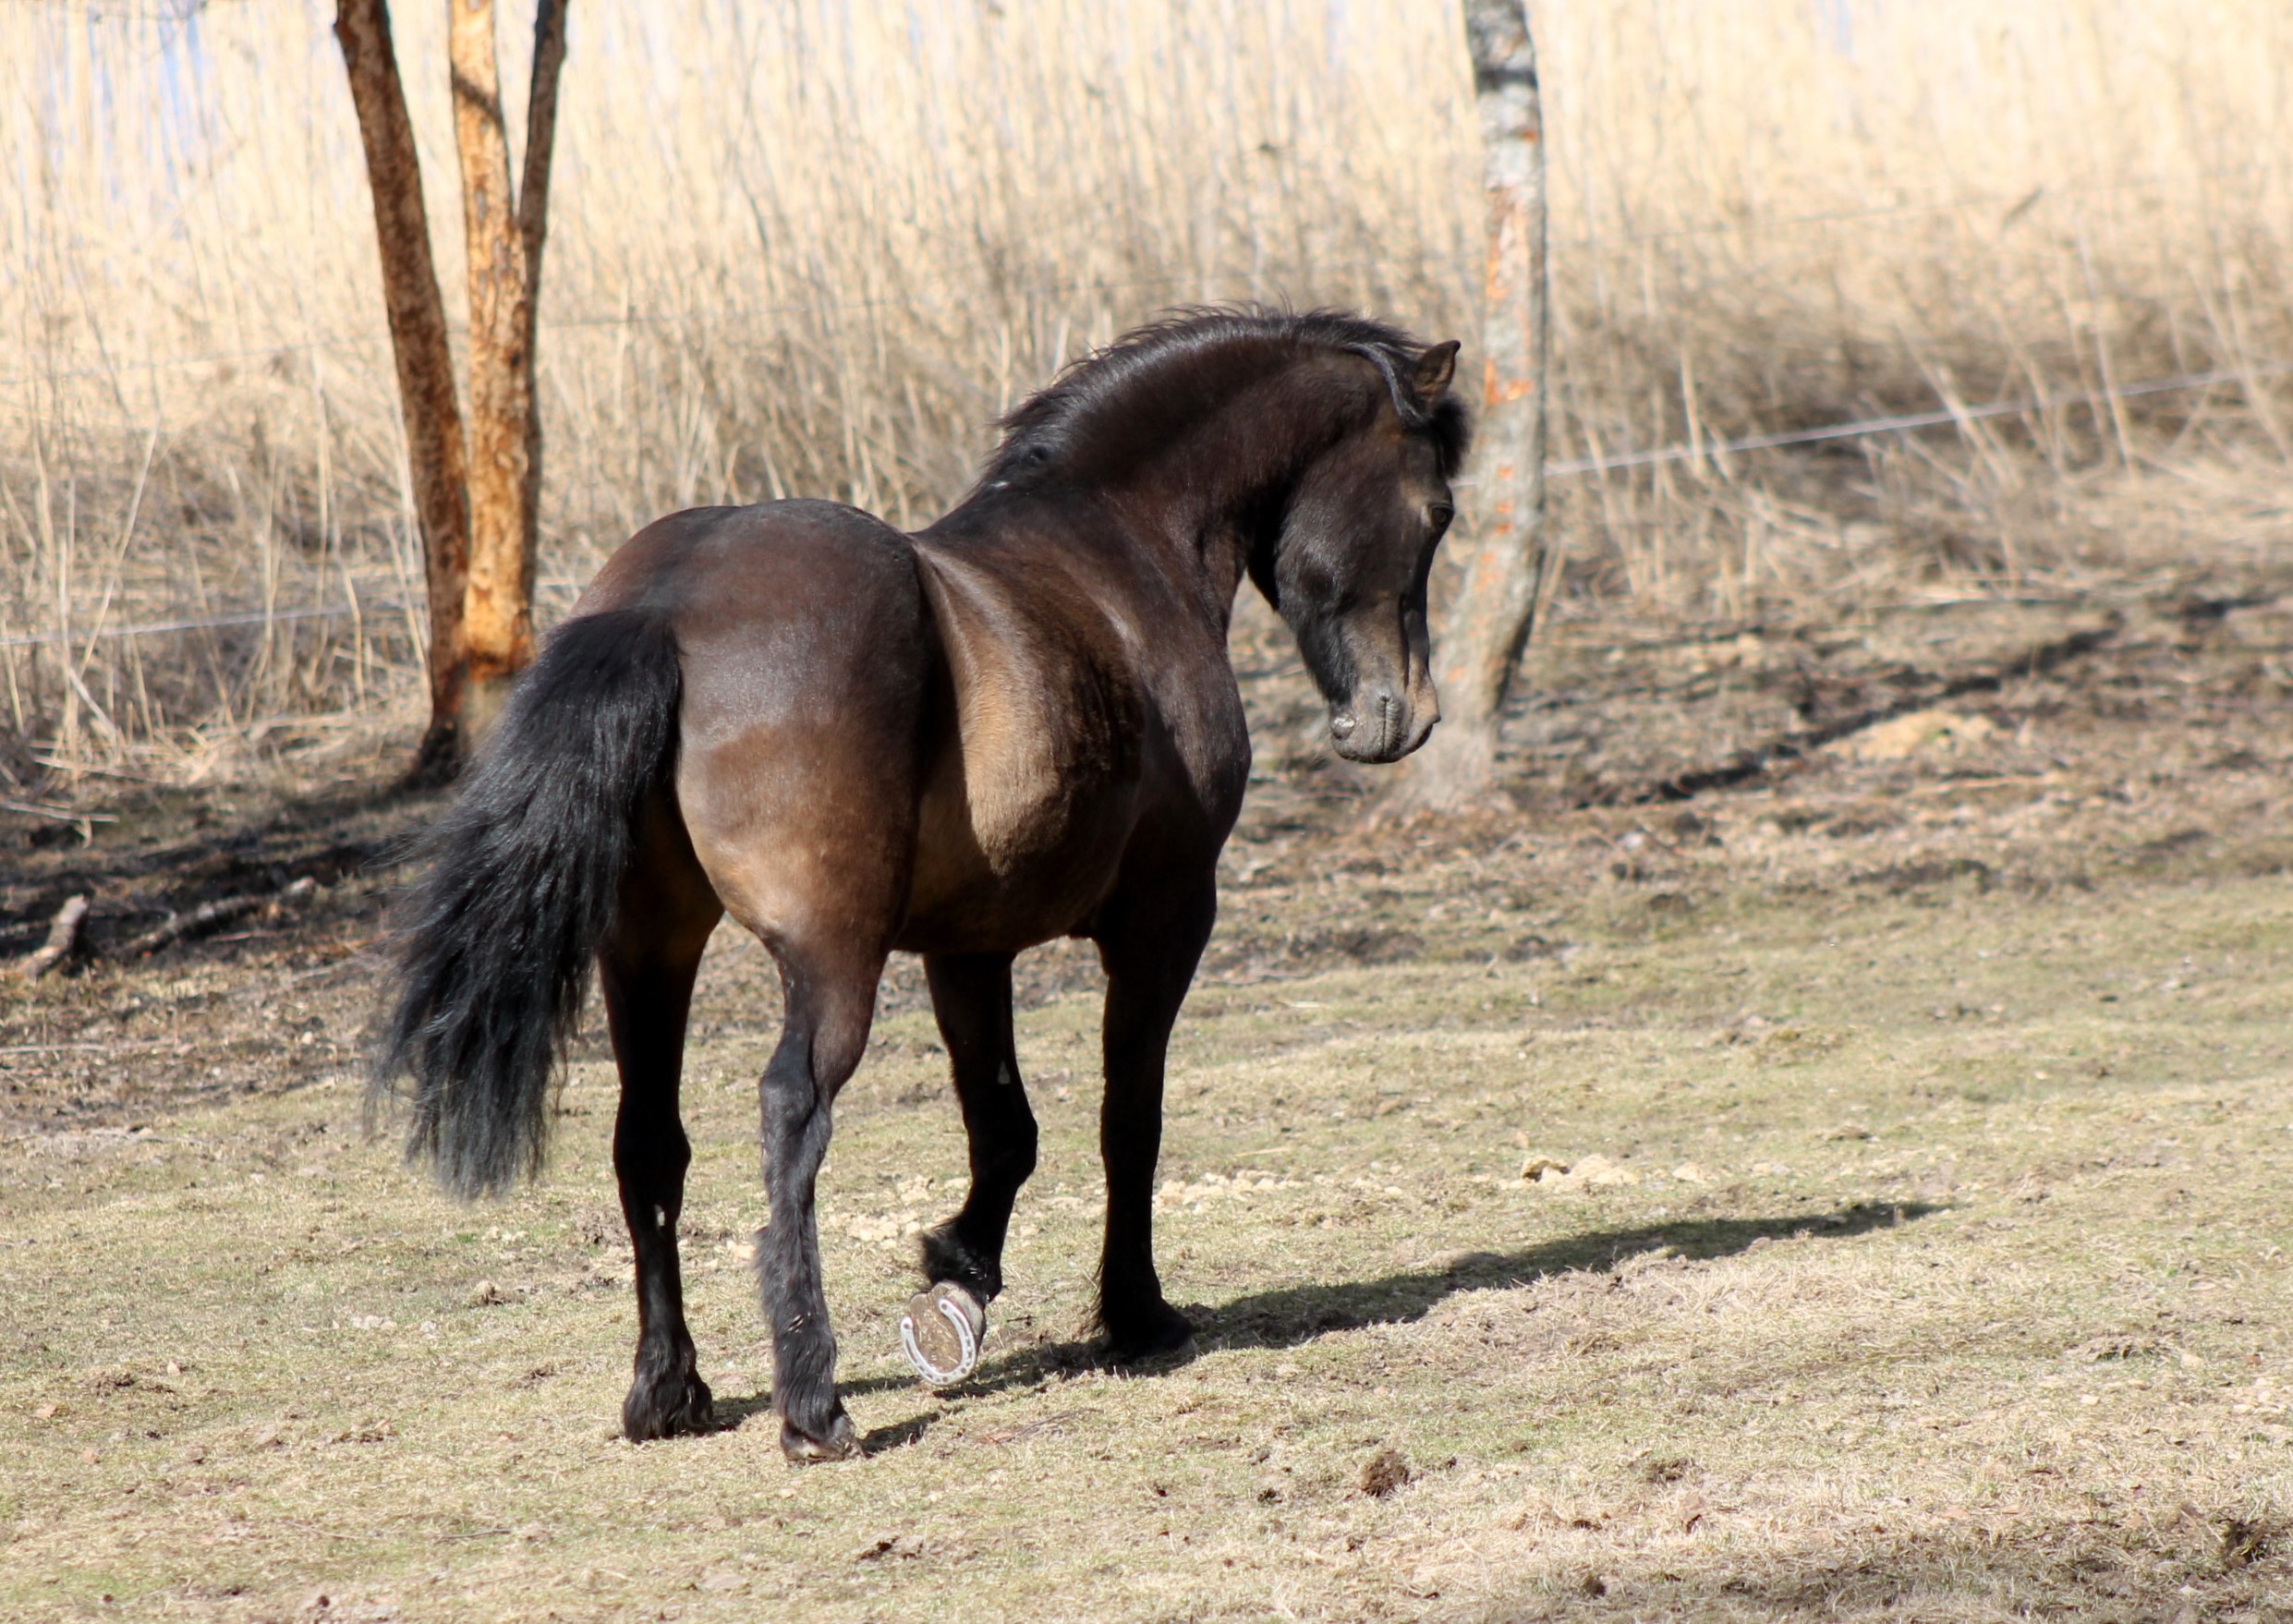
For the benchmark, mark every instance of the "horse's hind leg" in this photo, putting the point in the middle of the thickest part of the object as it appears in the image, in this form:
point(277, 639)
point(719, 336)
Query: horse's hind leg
point(971, 996)
point(830, 996)
point(646, 969)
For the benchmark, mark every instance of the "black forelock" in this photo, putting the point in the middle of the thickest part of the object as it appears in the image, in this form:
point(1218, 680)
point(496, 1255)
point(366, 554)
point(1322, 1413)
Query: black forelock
point(1048, 423)
point(1452, 433)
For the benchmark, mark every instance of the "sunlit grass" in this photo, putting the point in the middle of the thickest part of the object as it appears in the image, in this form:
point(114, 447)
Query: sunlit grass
point(1965, 1312)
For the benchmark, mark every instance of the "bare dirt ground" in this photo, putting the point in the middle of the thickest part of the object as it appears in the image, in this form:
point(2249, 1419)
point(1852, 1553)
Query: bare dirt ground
point(1895, 1015)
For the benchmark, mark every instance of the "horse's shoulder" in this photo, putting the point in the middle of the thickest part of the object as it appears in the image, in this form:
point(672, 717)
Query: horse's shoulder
point(1047, 705)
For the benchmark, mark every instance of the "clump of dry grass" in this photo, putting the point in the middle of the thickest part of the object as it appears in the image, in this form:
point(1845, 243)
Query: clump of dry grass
point(798, 251)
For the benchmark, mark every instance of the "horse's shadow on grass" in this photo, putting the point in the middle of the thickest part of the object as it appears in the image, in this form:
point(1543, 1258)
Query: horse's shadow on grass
point(1295, 1315)
point(1299, 1314)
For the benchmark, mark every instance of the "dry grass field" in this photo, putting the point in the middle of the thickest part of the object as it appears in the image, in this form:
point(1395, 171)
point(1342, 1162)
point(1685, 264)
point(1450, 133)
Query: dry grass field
point(1922, 1254)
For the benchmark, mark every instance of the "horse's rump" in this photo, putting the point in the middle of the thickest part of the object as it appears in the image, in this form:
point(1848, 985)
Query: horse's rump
point(809, 676)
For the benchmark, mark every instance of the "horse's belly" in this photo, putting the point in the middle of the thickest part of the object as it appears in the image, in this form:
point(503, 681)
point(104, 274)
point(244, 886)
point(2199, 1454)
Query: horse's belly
point(999, 872)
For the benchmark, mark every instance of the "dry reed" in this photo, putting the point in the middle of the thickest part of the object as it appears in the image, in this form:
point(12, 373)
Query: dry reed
point(813, 248)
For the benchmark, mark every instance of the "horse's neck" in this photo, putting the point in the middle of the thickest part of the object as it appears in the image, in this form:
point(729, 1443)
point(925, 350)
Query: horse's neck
point(1224, 489)
point(1198, 498)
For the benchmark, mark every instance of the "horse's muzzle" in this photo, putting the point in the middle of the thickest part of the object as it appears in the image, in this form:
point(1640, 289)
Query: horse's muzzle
point(1376, 724)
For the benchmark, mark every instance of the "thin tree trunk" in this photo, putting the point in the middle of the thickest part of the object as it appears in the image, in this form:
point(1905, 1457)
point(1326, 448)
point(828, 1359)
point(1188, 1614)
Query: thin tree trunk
point(1508, 564)
point(533, 224)
point(498, 610)
point(418, 337)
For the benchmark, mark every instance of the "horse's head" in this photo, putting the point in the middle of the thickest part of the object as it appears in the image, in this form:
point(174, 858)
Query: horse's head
point(1349, 567)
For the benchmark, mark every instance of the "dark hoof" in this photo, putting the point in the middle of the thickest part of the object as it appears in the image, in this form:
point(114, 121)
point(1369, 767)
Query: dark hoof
point(941, 1333)
point(1179, 1352)
point(675, 1403)
point(802, 1449)
point(1164, 1334)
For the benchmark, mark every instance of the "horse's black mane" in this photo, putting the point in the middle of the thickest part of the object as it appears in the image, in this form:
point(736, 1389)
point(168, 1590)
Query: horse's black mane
point(1046, 424)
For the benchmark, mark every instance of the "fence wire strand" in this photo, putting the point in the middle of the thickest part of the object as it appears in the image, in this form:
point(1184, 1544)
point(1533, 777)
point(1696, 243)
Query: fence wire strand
point(1865, 428)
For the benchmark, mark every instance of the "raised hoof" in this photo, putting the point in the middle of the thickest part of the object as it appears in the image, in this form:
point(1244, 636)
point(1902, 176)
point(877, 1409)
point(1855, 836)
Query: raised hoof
point(680, 1405)
point(941, 1332)
point(802, 1449)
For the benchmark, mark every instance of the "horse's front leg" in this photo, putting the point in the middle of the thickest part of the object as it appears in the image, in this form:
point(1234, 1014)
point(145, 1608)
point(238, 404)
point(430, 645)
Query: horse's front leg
point(971, 997)
point(1149, 945)
point(826, 1032)
point(945, 1324)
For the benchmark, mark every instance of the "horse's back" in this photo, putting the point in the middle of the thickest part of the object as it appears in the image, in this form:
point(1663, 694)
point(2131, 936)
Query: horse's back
point(766, 573)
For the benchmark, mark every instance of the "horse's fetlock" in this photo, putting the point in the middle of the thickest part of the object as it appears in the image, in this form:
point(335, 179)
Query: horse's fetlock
point(948, 1255)
point(1141, 1326)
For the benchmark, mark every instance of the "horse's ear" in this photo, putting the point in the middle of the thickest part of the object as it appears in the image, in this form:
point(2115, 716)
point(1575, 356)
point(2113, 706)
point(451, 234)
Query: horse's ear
point(1435, 368)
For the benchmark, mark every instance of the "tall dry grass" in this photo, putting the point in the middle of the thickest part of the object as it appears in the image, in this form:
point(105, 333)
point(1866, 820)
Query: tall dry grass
point(814, 248)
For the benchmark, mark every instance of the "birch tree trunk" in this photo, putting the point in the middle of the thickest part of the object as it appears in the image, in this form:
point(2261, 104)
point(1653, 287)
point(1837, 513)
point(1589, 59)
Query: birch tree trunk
point(1507, 563)
point(425, 363)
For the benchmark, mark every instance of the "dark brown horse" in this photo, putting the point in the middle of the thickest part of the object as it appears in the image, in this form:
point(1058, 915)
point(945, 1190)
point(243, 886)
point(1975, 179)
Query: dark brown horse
point(1015, 725)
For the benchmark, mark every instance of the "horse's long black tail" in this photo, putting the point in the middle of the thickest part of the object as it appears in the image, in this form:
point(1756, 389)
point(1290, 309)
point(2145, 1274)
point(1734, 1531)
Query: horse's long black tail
point(494, 943)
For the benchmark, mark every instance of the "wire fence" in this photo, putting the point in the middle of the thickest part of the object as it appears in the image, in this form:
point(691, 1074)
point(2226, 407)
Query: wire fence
point(2011, 206)
point(1898, 423)
point(1906, 421)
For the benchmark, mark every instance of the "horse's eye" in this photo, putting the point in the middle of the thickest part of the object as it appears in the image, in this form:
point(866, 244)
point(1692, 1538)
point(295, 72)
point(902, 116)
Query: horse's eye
point(1438, 515)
